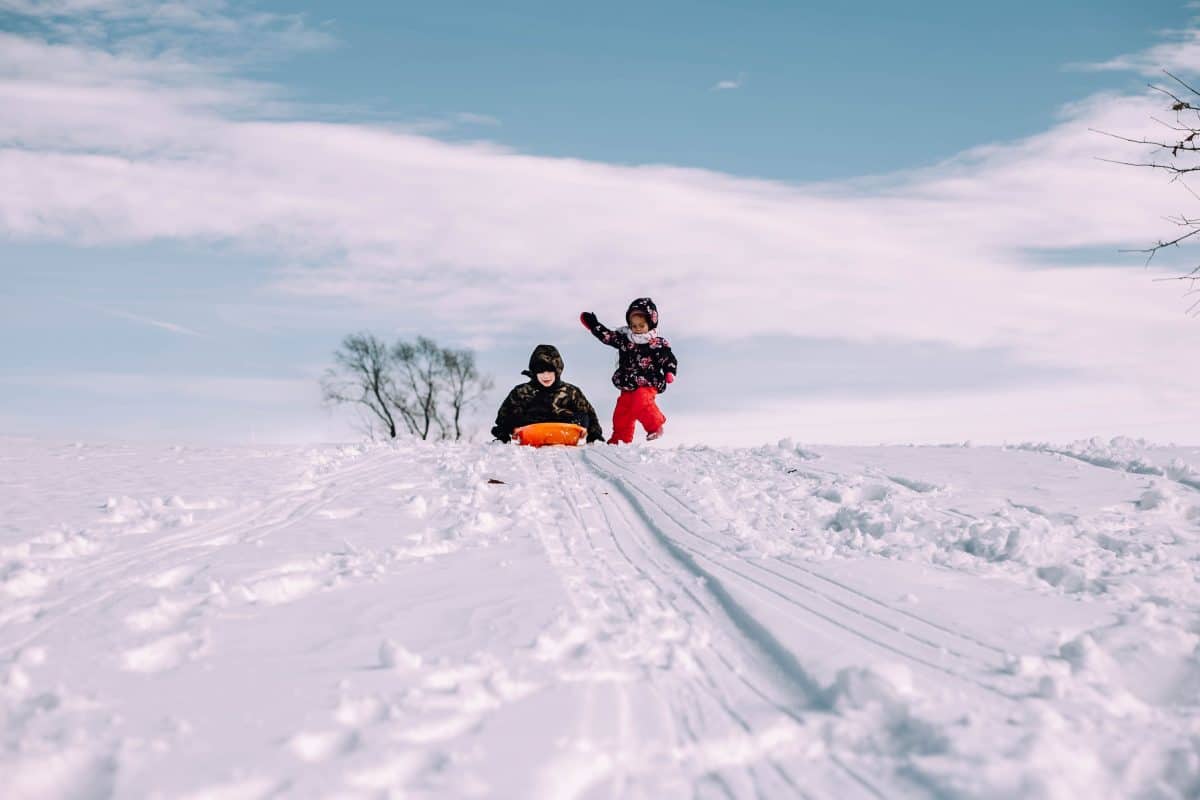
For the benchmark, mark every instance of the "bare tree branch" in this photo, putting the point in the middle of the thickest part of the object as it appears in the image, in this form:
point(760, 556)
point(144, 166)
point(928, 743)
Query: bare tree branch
point(1161, 245)
point(1179, 103)
point(419, 367)
point(362, 376)
point(1167, 167)
point(1185, 146)
point(464, 385)
point(1181, 82)
point(419, 385)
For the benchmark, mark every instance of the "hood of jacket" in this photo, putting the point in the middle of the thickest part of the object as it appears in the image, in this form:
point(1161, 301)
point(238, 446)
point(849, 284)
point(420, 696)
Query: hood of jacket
point(544, 358)
point(644, 306)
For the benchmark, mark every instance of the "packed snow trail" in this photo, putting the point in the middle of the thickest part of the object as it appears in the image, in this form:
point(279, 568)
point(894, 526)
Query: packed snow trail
point(725, 704)
point(428, 620)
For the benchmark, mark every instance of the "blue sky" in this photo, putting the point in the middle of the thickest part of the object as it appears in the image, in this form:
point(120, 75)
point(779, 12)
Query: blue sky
point(882, 223)
point(827, 90)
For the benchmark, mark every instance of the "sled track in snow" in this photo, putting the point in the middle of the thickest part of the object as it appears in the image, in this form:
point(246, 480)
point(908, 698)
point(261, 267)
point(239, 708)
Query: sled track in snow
point(731, 670)
point(724, 672)
point(602, 527)
point(743, 667)
point(102, 578)
point(858, 594)
point(849, 610)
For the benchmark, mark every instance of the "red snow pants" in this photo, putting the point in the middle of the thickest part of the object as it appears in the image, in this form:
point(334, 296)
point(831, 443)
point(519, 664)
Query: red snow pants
point(633, 407)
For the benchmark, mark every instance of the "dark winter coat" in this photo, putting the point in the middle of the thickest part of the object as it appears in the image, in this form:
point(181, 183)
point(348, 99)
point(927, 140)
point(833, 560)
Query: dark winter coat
point(531, 402)
point(638, 364)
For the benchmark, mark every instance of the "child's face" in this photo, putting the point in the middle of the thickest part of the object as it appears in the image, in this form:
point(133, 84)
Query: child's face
point(638, 323)
point(545, 378)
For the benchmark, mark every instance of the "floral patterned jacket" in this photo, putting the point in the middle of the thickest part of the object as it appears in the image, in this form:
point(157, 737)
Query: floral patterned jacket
point(643, 360)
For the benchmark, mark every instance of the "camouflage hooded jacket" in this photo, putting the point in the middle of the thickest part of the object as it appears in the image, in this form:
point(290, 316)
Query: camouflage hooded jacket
point(531, 402)
point(639, 363)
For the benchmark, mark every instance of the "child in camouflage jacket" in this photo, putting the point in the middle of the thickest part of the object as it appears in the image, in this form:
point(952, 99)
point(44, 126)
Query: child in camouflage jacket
point(545, 398)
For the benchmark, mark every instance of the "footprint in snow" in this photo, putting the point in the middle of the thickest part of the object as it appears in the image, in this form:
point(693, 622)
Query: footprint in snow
point(163, 614)
point(172, 578)
point(919, 486)
point(20, 581)
point(163, 654)
point(354, 712)
point(317, 746)
point(277, 590)
point(339, 513)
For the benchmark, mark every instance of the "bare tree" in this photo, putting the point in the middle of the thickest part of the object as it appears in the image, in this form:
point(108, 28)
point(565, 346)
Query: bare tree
point(419, 385)
point(464, 386)
point(425, 388)
point(363, 376)
point(1175, 153)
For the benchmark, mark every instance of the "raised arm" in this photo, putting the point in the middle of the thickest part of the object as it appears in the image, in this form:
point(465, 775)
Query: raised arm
point(609, 337)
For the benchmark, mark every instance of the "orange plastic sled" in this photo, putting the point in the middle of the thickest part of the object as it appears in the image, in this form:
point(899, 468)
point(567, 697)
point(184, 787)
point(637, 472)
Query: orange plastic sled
point(541, 434)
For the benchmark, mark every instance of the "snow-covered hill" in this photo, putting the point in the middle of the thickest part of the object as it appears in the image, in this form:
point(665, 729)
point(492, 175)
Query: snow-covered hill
point(491, 621)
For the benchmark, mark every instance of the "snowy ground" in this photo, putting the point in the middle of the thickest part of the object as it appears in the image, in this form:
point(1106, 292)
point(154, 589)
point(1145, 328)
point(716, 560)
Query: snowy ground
point(381, 621)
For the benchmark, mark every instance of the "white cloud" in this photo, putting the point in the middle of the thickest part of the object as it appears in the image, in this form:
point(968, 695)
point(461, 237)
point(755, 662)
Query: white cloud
point(136, 385)
point(1022, 414)
point(120, 146)
point(1180, 54)
point(471, 118)
point(729, 84)
point(199, 408)
point(204, 29)
point(404, 221)
point(447, 123)
point(154, 323)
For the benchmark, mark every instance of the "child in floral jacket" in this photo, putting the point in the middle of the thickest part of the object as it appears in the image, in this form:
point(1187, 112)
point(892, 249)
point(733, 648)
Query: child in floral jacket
point(645, 365)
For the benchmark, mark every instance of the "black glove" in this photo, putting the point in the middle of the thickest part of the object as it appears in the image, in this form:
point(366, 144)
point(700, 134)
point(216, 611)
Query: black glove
point(589, 320)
